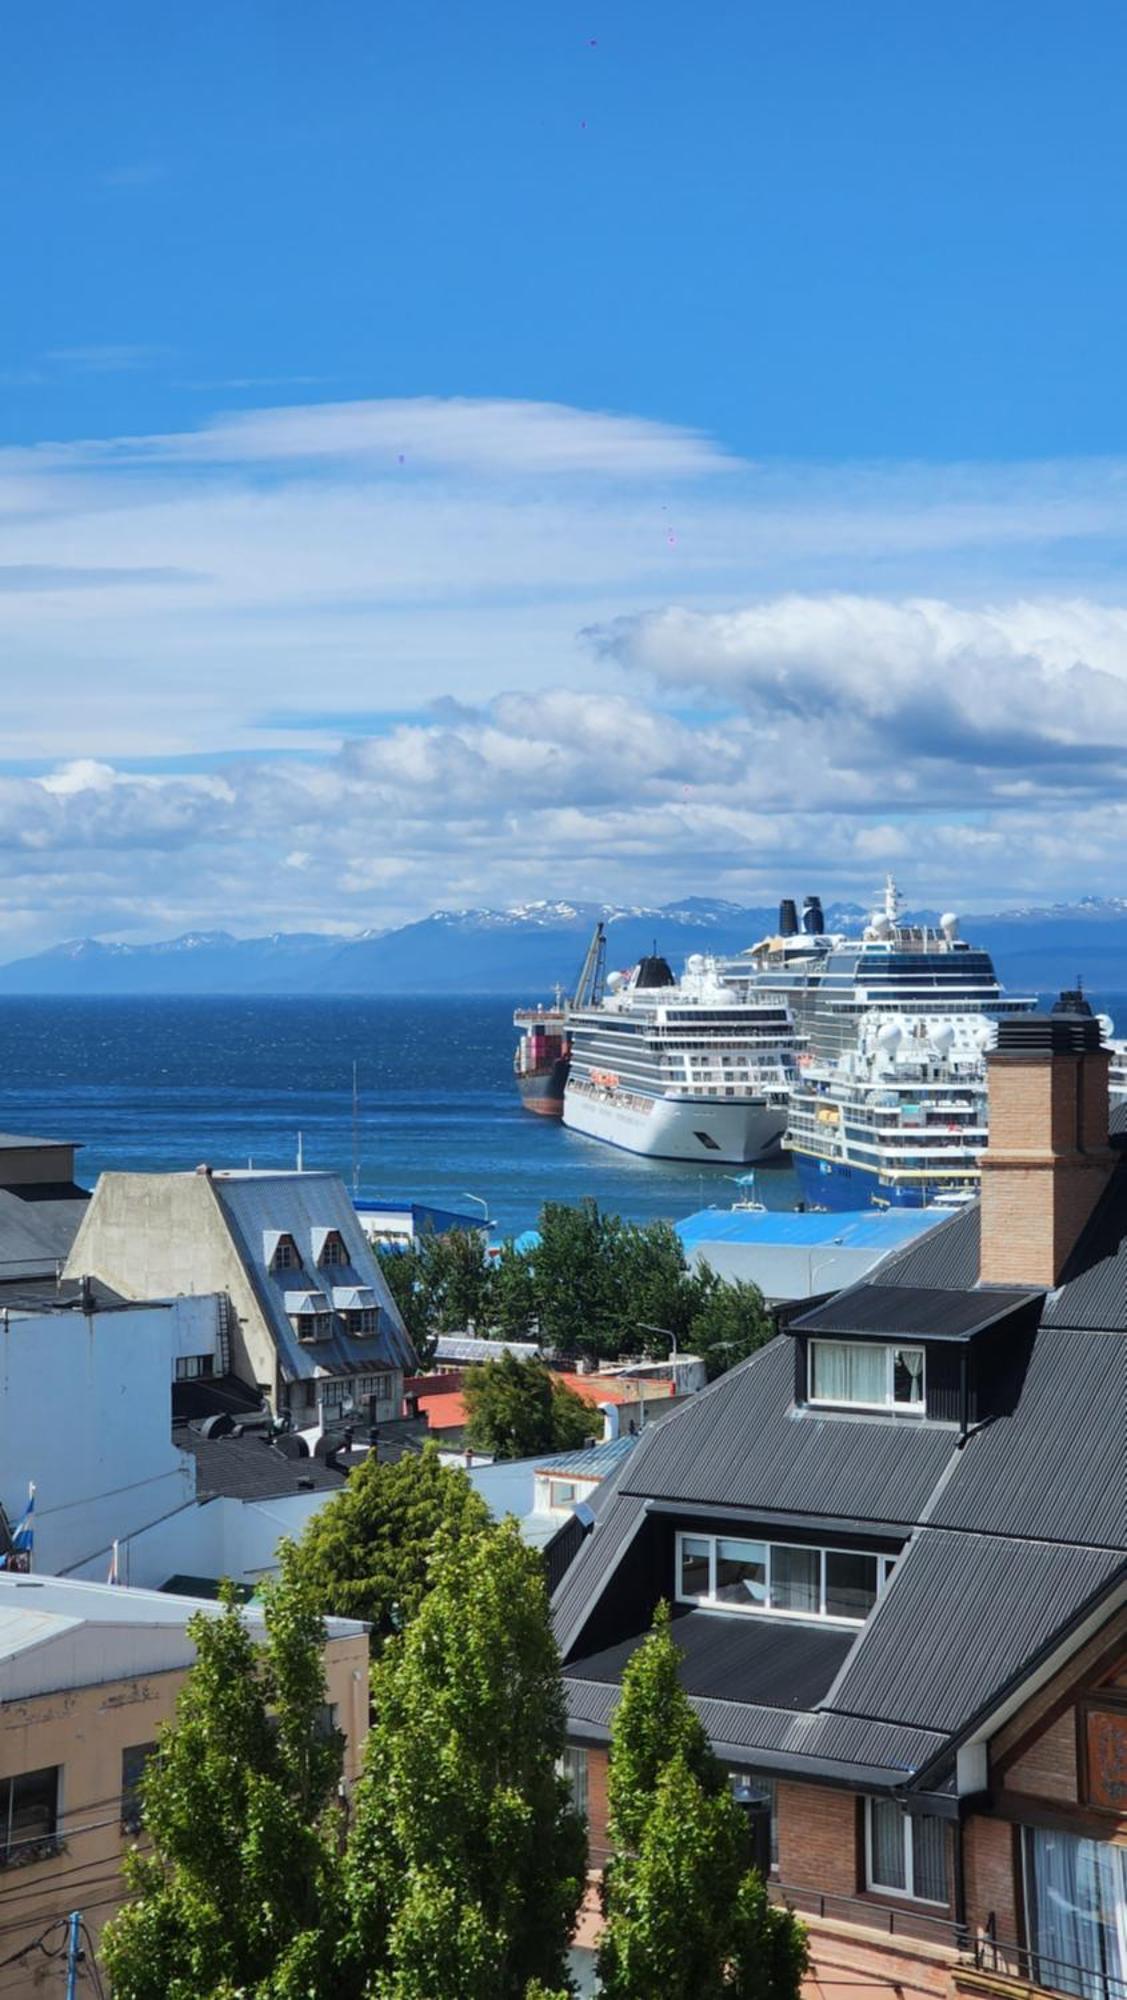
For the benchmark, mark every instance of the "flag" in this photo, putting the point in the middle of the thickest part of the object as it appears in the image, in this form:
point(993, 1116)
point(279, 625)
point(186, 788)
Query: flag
point(113, 1576)
point(23, 1538)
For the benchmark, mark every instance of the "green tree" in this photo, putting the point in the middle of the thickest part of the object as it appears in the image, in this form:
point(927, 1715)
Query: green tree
point(516, 1305)
point(729, 1321)
point(515, 1408)
point(241, 1893)
point(687, 1918)
point(466, 1861)
point(458, 1278)
point(368, 1552)
point(579, 1308)
point(406, 1270)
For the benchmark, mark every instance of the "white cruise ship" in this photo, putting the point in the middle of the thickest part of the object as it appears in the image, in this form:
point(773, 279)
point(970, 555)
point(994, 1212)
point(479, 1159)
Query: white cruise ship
point(681, 1070)
point(889, 1105)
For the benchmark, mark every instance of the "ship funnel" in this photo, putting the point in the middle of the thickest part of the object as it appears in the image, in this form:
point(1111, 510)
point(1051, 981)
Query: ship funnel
point(788, 918)
point(813, 922)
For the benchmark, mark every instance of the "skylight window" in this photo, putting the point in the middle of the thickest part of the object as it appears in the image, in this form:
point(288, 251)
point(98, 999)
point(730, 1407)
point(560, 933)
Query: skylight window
point(866, 1375)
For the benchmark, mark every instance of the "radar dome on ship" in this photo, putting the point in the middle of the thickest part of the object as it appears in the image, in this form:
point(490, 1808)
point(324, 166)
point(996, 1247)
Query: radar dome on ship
point(614, 981)
point(695, 962)
point(986, 1034)
point(890, 1035)
point(943, 1037)
point(949, 924)
point(1107, 1026)
point(879, 924)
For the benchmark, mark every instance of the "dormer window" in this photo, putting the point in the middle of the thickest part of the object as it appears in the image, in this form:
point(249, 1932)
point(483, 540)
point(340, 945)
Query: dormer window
point(285, 1256)
point(782, 1579)
point(333, 1250)
point(866, 1375)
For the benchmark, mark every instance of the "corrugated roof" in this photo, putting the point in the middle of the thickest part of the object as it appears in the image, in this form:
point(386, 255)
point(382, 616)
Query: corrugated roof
point(38, 1225)
point(946, 1258)
point(594, 1567)
point(960, 1619)
point(299, 1205)
point(867, 1229)
point(768, 1662)
point(1054, 1466)
point(742, 1442)
point(252, 1468)
point(595, 1462)
point(916, 1310)
point(1093, 1287)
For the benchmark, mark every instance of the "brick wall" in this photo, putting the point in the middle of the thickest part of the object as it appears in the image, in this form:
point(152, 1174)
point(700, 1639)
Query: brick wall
point(988, 1851)
point(1047, 1769)
point(1047, 1162)
point(817, 1838)
point(598, 1848)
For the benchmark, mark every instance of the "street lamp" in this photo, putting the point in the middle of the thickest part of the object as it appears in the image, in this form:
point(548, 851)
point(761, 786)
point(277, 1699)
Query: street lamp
point(644, 1327)
point(483, 1205)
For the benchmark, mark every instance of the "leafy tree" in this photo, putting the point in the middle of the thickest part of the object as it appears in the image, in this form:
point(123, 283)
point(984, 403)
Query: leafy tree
point(515, 1408)
point(579, 1306)
point(458, 1279)
point(729, 1322)
point(516, 1303)
point(367, 1553)
point(687, 1919)
point(241, 1893)
point(405, 1268)
point(466, 1861)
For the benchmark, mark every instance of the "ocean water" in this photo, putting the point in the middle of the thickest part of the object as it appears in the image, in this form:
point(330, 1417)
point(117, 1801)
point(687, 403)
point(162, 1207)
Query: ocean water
point(149, 1084)
point(171, 1083)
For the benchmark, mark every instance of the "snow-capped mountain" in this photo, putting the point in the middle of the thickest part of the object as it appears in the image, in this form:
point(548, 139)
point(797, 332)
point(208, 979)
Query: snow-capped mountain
point(524, 950)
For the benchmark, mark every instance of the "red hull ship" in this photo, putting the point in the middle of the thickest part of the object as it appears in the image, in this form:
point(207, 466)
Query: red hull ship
point(542, 1059)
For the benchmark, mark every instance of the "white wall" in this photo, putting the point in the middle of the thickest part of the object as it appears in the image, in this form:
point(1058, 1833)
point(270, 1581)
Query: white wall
point(210, 1538)
point(85, 1412)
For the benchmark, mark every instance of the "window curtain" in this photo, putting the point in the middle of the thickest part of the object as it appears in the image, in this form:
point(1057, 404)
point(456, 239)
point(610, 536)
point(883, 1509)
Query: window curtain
point(850, 1372)
point(886, 1838)
point(1077, 1914)
point(911, 1359)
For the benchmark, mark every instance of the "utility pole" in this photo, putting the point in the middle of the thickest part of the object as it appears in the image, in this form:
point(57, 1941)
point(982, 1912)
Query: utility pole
point(74, 1952)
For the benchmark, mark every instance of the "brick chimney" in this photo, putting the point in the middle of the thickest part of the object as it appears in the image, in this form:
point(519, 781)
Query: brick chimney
point(1048, 1158)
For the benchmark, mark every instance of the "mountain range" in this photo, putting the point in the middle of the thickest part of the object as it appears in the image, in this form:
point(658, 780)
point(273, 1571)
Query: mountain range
point(526, 950)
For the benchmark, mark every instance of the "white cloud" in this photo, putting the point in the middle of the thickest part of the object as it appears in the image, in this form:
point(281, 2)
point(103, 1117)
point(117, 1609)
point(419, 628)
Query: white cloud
point(792, 664)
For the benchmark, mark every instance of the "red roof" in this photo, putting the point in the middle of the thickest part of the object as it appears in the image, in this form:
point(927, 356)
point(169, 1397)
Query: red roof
point(440, 1397)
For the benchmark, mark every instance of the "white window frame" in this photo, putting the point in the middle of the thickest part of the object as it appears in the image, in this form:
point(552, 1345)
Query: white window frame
point(890, 1349)
point(884, 1564)
point(909, 1894)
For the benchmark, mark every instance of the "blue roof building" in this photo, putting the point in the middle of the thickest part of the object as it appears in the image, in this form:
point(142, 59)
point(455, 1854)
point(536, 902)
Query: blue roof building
point(800, 1256)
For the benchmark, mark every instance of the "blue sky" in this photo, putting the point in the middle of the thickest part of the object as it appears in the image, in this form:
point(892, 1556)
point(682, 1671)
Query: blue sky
point(451, 454)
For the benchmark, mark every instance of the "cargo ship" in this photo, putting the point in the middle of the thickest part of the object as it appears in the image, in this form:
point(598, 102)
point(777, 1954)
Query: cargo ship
point(543, 1057)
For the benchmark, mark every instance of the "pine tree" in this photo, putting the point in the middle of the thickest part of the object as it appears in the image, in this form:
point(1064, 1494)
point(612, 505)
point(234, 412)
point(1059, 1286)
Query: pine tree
point(687, 1918)
point(367, 1553)
point(465, 1864)
point(241, 1892)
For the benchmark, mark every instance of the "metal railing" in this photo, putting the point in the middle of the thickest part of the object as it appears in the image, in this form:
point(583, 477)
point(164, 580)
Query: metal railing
point(871, 1915)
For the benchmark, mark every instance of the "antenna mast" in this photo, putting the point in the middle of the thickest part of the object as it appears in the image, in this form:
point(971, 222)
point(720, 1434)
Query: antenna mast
point(355, 1132)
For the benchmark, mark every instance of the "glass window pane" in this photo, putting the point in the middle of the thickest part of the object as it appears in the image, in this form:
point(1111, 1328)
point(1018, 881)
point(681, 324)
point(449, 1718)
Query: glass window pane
point(886, 1844)
point(908, 1375)
point(32, 1801)
point(741, 1572)
point(849, 1371)
point(929, 1858)
point(796, 1579)
point(694, 1568)
point(851, 1584)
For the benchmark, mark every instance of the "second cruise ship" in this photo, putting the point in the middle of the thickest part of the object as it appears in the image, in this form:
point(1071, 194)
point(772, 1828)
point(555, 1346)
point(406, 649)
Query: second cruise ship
point(681, 1069)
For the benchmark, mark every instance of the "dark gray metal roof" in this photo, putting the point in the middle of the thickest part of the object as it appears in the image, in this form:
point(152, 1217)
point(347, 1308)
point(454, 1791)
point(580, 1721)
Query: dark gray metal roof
point(844, 1749)
point(763, 1661)
point(888, 1310)
point(594, 1566)
point(961, 1618)
point(946, 1258)
point(1093, 1287)
point(742, 1442)
point(38, 1224)
point(1055, 1466)
point(251, 1468)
